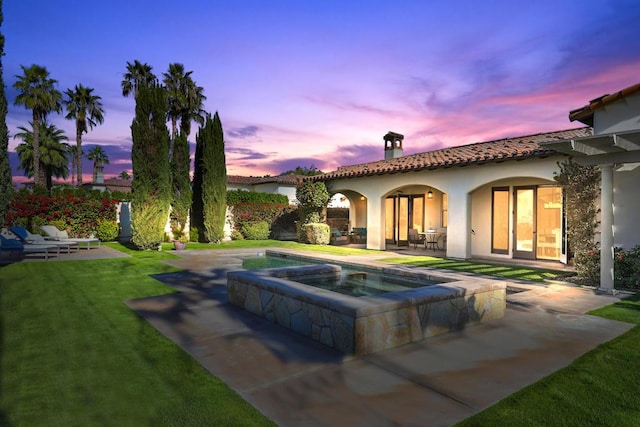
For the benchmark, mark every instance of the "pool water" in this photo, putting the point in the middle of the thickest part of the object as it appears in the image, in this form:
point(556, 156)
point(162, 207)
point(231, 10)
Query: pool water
point(352, 281)
point(261, 262)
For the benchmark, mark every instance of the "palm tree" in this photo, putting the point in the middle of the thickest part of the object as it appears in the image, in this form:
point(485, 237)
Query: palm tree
point(37, 93)
point(86, 109)
point(185, 99)
point(124, 175)
point(175, 81)
point(53, 152)
point(99, 158)
point(138, 74)
point(193, 108)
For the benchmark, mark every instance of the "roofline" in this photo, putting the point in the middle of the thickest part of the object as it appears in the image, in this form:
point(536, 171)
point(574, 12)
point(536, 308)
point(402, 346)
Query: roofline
point(547, 152)
point(585, 114)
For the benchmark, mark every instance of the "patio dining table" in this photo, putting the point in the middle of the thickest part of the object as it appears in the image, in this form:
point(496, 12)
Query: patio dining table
point(431, 239)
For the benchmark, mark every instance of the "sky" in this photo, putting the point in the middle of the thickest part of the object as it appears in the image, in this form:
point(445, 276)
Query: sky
point(319, 83)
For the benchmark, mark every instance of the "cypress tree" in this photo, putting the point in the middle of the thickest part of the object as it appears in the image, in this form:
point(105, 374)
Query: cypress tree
point(151, 185)
point(180, 165)
point(214, 179)
point(5, 168)
point(197, 220)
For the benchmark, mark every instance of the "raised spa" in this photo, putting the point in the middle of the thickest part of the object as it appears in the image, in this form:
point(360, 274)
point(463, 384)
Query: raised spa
point(425, 303)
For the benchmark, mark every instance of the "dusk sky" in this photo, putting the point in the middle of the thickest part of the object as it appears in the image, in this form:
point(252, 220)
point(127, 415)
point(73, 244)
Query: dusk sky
point(302, 83)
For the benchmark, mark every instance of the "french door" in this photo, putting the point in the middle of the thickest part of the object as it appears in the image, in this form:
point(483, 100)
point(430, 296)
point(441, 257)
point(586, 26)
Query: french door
point(538, 223)
point(401, 213)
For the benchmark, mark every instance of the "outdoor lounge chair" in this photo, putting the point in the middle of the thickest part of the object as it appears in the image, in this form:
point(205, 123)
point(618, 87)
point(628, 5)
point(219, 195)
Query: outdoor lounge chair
point(16, 246)
point(52, 233)
point(36, 239)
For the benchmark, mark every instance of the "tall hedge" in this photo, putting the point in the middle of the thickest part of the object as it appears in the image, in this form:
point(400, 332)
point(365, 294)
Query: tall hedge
point(151, 185)
point(181, 183)
point(214, 178)
point(5, 168)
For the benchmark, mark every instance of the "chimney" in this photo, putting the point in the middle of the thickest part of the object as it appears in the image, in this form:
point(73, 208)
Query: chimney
point(393, 145)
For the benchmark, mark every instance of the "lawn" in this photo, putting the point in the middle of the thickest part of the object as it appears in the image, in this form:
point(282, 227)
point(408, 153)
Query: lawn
point(512, 272)
point(601, 388)
point(71, 353)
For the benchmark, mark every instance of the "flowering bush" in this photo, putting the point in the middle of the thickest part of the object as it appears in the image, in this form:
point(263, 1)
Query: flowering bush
point(627, 268)
point(78, 212)
point(587, 263)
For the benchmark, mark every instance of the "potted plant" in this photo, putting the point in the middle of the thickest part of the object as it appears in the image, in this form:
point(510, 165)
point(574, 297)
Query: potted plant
point(180, 238)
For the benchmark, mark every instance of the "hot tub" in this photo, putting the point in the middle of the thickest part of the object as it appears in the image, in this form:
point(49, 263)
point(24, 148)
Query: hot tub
point(366, 324)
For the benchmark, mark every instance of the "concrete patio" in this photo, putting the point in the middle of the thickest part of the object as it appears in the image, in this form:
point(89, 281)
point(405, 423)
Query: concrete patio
point(438, 382)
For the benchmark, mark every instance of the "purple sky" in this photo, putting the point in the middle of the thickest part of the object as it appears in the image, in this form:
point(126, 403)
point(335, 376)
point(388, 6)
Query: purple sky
point(301, 83)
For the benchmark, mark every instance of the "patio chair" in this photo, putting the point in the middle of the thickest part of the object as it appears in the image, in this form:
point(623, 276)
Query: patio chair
point(415, 238)
point(36, 239)
point(16, 246)
point(52, 233)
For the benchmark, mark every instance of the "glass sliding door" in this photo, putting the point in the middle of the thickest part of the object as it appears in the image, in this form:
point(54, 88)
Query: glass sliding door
point(524, 225)
point(500, 221)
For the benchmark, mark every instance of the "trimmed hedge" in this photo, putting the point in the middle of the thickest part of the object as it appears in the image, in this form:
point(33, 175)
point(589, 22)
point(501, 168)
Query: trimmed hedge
point(317, 233)
point(236, 197)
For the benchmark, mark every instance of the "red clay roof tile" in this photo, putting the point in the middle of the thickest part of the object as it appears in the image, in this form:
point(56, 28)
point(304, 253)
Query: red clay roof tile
point(519, 148)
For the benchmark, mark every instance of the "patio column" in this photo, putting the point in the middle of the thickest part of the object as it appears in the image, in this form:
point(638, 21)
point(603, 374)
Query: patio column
point(459, 227)
point(375, 224)
point(606, 227)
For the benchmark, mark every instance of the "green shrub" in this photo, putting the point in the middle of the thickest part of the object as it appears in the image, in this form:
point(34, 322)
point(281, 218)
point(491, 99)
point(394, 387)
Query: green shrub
point(193, 234)
point(235, 197)
point(317, 233)
point(587, 264)
point(107, 230)
point(627, 268)
point(36, 223)
point(236, 235)
point(256, 231)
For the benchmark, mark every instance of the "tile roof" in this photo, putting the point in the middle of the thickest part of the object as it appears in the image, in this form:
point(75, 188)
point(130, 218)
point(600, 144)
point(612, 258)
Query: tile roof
point(519, 148)
point(585, 114)
point(291, 179)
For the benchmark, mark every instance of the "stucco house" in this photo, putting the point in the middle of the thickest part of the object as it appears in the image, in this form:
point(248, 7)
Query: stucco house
point(498, 199)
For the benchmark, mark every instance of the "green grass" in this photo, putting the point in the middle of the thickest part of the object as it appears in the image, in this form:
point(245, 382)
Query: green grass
point(71, 352)
point(512, 272)
point(248, 244)
point(601, 388)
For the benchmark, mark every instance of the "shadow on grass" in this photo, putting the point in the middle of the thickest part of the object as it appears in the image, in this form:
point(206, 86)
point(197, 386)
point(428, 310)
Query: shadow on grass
point(516, 272)
point(200, 320)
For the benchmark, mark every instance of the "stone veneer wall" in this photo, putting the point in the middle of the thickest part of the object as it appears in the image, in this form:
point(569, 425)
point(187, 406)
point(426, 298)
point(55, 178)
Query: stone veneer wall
point(362, 325)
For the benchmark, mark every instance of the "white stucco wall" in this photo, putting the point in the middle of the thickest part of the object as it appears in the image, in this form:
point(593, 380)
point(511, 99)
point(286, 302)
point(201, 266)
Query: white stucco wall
point(626, 209)
point(481, 214)
point(619, 116)
point(457, 182)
